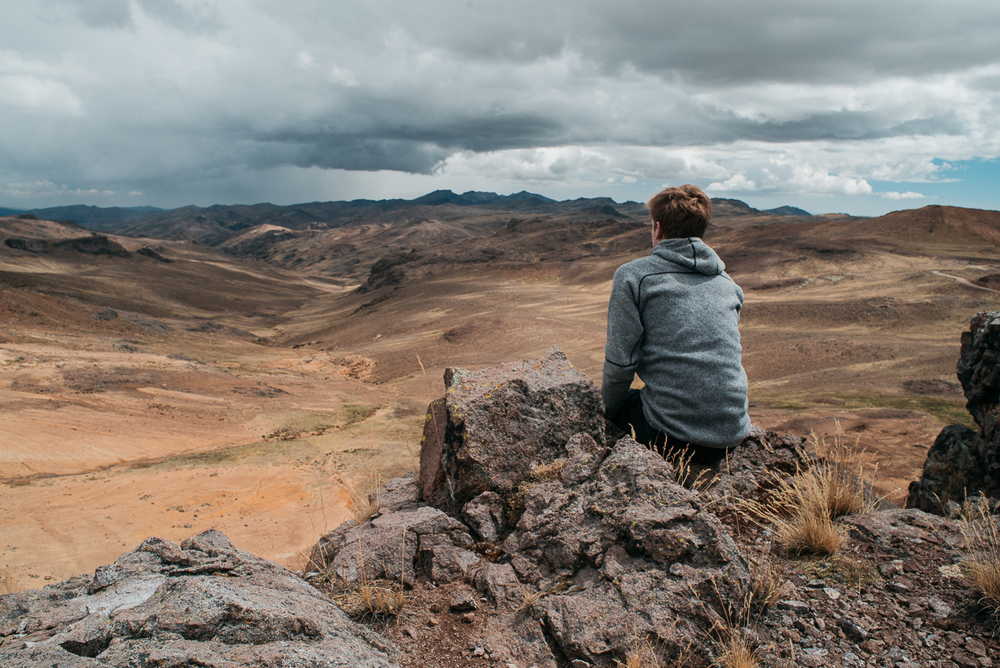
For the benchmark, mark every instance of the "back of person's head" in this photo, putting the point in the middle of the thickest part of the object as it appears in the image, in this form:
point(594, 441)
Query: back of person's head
point(681, 212)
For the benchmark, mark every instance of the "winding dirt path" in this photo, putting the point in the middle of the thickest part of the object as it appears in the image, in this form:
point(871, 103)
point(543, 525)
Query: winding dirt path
point(966, 282)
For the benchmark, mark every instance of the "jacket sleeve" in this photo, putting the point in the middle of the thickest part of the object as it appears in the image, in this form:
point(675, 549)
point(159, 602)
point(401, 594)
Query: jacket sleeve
point(622, 350)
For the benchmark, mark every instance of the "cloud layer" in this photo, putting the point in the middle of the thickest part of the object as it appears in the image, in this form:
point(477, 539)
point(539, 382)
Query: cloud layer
point(176, 101)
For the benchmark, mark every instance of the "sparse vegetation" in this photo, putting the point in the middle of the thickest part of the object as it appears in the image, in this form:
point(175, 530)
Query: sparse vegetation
point(842, 475)
point(359, 413)
point(382, 601)
point(736, 650)
point(803, 508)
point(643, 652)
point(681, 461)
point(767, 577)
point(798, 511)
point(732, 642)
point(372, 599)
point(982, 545)
point(640, 655)
point(366, 498)
point(837, 569)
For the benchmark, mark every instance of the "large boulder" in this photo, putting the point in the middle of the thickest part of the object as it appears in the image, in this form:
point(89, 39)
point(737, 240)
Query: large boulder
point(397, 545)
point(496, 426)
point(627, 545)
point(963, 462)
point(200, 603)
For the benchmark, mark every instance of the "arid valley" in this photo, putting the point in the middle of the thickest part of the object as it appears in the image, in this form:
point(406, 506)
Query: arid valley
point(255, 378)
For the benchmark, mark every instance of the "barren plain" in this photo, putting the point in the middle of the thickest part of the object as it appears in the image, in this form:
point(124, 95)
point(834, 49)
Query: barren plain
point(167, 388)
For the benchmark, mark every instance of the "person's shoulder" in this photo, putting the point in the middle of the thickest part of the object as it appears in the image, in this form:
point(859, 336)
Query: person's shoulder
point(638, 266)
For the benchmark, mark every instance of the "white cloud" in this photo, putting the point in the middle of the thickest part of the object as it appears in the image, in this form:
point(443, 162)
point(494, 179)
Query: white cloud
point(898, 196)
point(38, 94)
point(736, 182)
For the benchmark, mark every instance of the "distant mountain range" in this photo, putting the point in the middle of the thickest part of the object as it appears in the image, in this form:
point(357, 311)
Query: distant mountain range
point(216, 224)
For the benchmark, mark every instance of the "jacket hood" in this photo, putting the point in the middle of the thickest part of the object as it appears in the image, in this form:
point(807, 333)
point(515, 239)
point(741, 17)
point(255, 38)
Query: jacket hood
point(691, 253)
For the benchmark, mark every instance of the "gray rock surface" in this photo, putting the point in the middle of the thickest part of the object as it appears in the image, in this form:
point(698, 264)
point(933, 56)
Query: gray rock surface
point(624, 553)
point(499, 424)
point(965, 463)
point(393, 545)
point(486, 516)
point(201, 603)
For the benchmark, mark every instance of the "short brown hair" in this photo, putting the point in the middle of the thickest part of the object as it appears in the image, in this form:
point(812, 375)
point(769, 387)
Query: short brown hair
point(681, 212)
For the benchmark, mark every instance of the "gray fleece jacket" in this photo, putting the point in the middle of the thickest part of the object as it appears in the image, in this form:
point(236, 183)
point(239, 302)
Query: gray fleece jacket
point(673, 320)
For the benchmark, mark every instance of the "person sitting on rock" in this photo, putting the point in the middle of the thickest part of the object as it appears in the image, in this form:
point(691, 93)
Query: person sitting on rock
point(673, 320)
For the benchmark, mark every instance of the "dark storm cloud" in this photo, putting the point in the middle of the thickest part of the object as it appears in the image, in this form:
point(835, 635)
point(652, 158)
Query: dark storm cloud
point(840, 126)
point(196, 18)
point(127, 94)
point(105, 13)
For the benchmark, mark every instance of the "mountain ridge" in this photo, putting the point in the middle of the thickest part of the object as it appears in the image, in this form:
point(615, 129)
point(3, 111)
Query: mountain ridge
point(216, 223)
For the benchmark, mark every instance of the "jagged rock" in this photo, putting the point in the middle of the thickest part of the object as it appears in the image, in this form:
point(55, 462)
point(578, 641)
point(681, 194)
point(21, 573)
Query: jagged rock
point(397, 494)
point(202, 603)
point(964, 463)
point(628, 546)
point(29, 245)
point(387, 546)
point(499, 583)
point(909, 524)
point(950, 470)
point(485, 515)
point(497, 425)
point(443, 561)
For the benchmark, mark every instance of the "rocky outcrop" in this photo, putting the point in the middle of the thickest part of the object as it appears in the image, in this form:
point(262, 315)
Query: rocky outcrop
point(615, 537)
point(94, 244)
point(496, 427)
point(962, 462)
point(607, 534)
point(200, 603)
point(555, 529)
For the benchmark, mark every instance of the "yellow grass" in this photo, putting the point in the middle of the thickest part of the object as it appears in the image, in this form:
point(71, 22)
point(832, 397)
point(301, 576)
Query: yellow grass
point(845, 479)
point(681, 461)
point(382, 601)
point(766, 581)
point(642, 653)
point(982, 566)
point(803, 509)
point(365, 498)
point(736, 651)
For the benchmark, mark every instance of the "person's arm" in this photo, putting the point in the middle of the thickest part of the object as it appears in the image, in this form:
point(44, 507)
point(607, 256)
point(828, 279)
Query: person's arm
point(621, 352)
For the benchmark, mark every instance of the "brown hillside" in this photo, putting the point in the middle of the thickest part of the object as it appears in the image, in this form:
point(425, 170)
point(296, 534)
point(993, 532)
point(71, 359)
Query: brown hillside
point(933, 225)
point(137, 391)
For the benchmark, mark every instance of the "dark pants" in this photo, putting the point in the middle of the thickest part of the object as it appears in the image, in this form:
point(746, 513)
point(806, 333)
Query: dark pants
point(631, 419)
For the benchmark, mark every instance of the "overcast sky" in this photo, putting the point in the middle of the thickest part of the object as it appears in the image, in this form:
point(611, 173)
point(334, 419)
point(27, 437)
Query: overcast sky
point(863, 106)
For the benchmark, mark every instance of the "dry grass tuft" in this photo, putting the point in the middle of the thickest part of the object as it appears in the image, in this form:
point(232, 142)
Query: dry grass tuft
point(798, 512)
point(373, 599)
point(736, 650)
point(767, 579)
point(802, 509)
point(382, 601)
point(365, 498)
point(643, 653)
point(844, 477)
point(680, 460)
point(529, 598)
point(982, 543)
